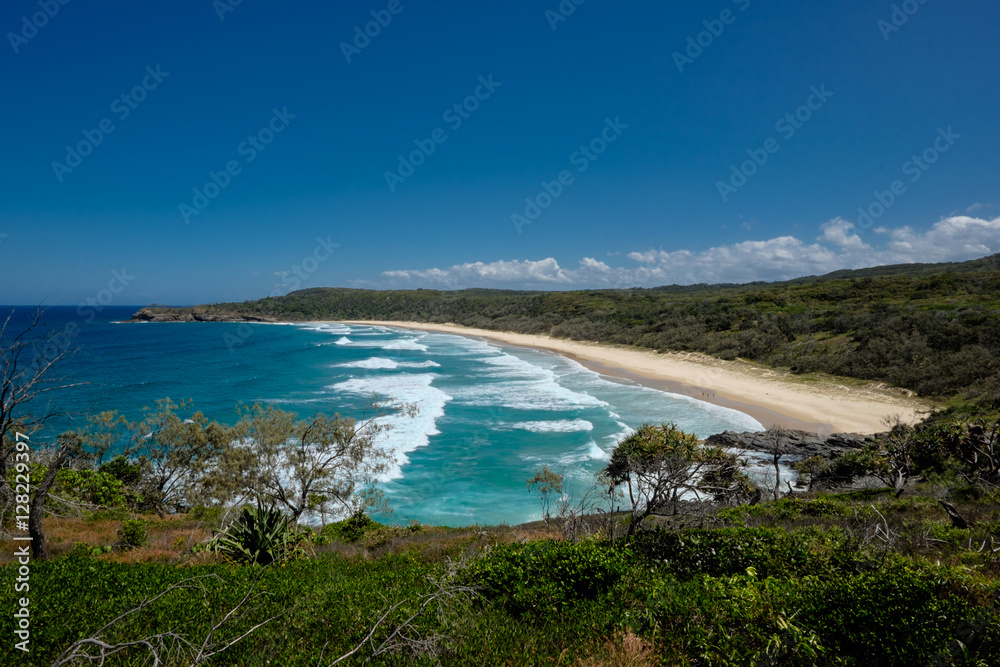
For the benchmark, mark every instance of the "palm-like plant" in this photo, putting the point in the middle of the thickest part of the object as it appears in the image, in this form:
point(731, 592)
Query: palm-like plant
point(260, 536)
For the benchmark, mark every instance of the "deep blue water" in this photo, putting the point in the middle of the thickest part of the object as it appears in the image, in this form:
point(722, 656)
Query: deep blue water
point(489, 415)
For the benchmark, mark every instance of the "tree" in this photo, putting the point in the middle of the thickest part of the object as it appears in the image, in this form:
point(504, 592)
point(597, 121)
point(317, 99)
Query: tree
point(176, 454)
point(27, 357)
point(322, 463)
point(769, 442)
point(660, 465)
point(546, 487)
point(889, 457)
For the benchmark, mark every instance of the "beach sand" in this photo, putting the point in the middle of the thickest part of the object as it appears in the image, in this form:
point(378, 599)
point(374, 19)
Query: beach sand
point(772, 397)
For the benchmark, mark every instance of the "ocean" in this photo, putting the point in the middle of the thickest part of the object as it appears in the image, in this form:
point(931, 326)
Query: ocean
point(490, 415)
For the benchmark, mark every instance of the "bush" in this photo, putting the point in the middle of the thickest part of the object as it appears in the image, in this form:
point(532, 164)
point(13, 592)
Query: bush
point(122, 469)
point(902, 614)
point(132, 533)
point(352, 529)
point(260, 536)
point(723, 552)
point(546, 576)
point(95, 487)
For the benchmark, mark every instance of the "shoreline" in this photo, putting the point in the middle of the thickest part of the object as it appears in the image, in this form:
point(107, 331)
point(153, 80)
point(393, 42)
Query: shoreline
point(771, 396)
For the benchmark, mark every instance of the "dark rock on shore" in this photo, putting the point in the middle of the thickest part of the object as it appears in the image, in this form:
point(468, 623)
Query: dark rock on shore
point(192, 315)
point(791, 442)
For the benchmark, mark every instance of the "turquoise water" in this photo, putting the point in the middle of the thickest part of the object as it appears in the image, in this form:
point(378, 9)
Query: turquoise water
point(489, 415)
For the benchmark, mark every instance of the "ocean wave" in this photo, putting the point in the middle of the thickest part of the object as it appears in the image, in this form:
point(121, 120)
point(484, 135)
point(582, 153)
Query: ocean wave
point(589, 452)
point(410, 344)
point(381, 363)
point(405, 433)
point(542, 394)
point(332, 329)
point(556, 426)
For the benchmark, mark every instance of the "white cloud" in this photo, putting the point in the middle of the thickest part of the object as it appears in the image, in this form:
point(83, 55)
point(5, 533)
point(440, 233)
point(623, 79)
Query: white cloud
point(839, 246)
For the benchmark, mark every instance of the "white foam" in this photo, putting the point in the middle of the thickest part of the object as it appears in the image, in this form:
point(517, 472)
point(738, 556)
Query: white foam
point(404, 344)
point(405, 433)
point(625, 432)
point(689, 413)
point(343, 340)
point(396, 344)
point(558, 426)
point(332, 329)
point(589, 452)
point(381, 363)
point(541, 394)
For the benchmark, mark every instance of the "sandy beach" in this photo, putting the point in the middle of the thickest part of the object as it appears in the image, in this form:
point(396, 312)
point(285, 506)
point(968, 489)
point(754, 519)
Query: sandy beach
point(772, 397)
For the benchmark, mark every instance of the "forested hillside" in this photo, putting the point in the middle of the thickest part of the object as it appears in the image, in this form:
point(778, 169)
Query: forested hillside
point(934, 329)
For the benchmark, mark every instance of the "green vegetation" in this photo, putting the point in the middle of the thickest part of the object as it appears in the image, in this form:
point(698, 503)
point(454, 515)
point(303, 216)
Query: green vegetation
point(861, 577)
point(734, 596)
point(933, 329)
point(259, 536)
point(133, 533)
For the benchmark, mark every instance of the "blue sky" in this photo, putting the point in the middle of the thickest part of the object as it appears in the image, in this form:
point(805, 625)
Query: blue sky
point(640, 137)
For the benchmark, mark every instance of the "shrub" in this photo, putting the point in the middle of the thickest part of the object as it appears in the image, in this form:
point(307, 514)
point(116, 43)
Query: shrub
point(723, 552)
point(902, 614)
point(547, 576)
point(122, 469)
point(132, 533)
point(95, 487)
point(352, 529)
point(260, 536)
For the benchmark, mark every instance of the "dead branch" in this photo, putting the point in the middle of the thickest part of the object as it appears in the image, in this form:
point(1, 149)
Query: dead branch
point(166, 647)
point(405, 636)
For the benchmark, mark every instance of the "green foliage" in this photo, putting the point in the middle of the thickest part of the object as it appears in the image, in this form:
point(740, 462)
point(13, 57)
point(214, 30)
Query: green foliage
point(133, 533)
point(546, 577)
point(723, 552)
point(659, 464)
point(95, 487)
point(122, 469)
point(322, 464)
point(81, 550)
point(542, 603)
point(260, 536)
point(351, 529)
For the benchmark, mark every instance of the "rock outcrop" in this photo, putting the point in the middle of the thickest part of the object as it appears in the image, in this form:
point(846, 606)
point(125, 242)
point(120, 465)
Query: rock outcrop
point(192, 315)
point(791, 443)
